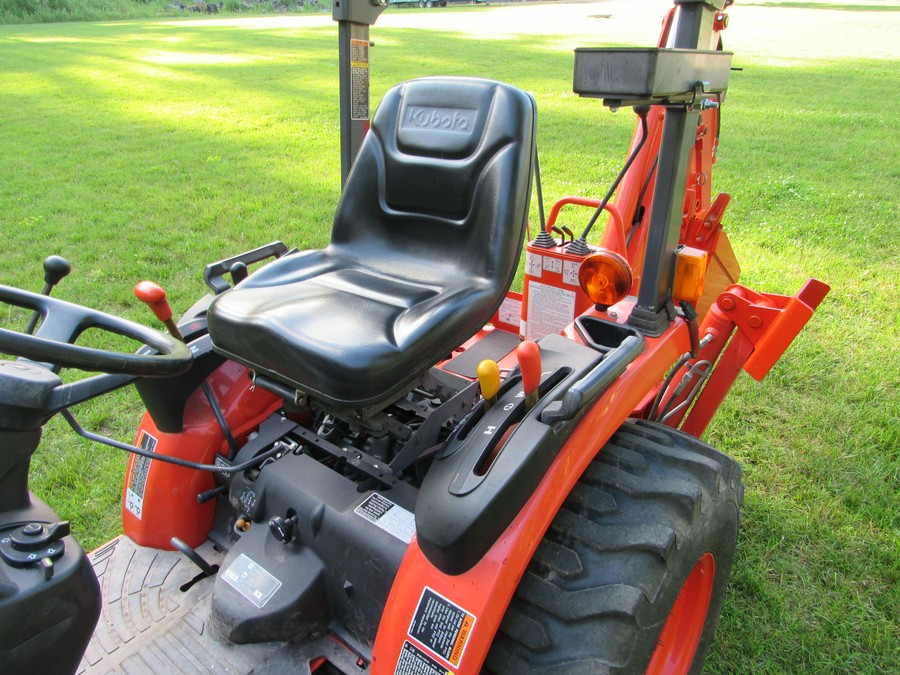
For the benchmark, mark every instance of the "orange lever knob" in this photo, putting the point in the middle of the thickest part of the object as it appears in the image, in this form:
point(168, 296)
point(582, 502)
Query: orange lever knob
point(154, 296)
point(529, 355)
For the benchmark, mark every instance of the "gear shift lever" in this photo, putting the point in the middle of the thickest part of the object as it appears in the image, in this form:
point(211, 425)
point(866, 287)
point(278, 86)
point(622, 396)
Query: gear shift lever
point(154, 296)
point(56, 268)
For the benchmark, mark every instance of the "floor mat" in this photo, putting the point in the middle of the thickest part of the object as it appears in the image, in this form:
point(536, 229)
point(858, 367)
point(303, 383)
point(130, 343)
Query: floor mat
point(495, 345)
point(148, 625)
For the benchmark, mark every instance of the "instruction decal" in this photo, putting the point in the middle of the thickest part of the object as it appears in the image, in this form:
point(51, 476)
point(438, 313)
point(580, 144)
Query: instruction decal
point(510, 312)
point(534, 264)
point(251, 580)
point(550, 309)
point(359, 79)
point(553, 264)
point(384, 513)
point(570, 272)
point(442, 626)
point(134, 491)
point(413, 661)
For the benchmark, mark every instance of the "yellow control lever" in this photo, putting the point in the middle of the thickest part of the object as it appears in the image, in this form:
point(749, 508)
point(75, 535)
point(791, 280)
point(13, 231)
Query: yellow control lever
point(489, 379)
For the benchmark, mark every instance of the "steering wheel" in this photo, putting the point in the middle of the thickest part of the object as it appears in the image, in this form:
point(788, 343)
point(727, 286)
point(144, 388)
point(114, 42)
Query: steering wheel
point(64, 322)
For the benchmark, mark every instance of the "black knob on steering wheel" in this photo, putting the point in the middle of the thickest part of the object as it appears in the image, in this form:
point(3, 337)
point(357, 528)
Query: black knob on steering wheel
point(55, 269)
point(63, 322)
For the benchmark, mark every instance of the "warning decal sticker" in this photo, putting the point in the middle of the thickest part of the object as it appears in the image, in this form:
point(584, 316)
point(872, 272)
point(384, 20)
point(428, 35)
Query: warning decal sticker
point(413, 661)
point(388, 516)
point(134, 492)
point(510, 312)
point(442, 626)
point(359, 79)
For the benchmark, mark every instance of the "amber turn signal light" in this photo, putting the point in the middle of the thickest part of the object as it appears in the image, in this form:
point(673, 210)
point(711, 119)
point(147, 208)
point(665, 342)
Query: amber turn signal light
point(690, 273)
point(605, 277)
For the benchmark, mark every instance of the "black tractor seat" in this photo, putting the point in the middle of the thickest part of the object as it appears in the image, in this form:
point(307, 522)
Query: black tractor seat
point(425, 243)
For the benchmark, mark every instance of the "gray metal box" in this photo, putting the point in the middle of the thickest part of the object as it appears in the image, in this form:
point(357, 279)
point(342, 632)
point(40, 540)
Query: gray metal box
point(629, 76)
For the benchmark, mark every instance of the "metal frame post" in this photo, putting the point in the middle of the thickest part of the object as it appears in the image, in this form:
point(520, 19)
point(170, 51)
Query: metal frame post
point(354, 18)
point(654, 308)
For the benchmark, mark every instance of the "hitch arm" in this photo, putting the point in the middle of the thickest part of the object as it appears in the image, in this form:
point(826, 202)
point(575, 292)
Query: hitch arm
point(760, 326)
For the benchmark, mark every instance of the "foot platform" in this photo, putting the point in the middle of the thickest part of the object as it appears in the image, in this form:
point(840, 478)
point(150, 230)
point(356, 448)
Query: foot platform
point(149, 625)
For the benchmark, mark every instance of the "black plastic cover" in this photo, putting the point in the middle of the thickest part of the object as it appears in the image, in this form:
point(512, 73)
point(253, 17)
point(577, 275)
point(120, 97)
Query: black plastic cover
point(464, 505)
point(348, 594)
point(166, 399)
point(629, 76)
point(47, 613)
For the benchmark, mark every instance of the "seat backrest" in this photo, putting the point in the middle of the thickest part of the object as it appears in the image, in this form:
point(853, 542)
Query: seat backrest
point(442, 181)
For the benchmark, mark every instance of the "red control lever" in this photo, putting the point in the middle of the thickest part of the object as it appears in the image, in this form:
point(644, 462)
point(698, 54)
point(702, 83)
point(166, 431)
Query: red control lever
point(529, 355)
point(154, 297)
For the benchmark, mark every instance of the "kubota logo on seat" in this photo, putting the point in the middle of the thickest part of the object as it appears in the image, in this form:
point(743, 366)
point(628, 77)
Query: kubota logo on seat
point(440, 119)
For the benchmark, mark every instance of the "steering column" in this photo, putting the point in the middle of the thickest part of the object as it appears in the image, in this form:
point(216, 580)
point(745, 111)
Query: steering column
point(49, 596)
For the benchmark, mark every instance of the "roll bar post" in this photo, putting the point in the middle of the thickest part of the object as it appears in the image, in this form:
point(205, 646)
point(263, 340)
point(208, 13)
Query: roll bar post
point(654, 309)
point(354, 18)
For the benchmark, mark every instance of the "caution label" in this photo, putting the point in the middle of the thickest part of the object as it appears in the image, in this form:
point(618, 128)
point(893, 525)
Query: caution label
point(359, 79)
point(134, 492)
point(442, 626)
point(413, 661)
point(388, 516)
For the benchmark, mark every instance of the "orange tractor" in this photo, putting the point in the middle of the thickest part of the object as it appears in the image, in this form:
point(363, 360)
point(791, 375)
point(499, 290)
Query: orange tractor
point(376, 457)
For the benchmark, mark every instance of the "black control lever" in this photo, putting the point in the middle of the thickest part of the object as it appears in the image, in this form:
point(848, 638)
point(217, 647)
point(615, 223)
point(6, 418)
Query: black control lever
point(194, 557)
point(206, 569)
point(283, 529)
point(35, 545)
point(56, 268)
point(35, 536)
point(239, 272)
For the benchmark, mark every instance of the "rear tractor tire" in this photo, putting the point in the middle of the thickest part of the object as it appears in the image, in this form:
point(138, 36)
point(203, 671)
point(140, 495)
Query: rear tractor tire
point(631, 575)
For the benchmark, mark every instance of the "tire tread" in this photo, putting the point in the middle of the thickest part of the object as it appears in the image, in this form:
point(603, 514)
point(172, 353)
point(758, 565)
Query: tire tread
point(591, 598)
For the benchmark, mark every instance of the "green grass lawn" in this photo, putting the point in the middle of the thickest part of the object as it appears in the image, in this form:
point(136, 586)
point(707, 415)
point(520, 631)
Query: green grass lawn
point(51, 11)
point(147, 149)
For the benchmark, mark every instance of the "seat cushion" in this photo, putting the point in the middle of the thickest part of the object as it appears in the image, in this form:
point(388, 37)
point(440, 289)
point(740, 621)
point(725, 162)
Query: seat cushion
point(348, 335)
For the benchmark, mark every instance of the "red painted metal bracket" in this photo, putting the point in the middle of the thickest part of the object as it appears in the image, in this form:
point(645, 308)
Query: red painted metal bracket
point(614, 233)
point(770, 322)
point(757, 328)
point(703, 230)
